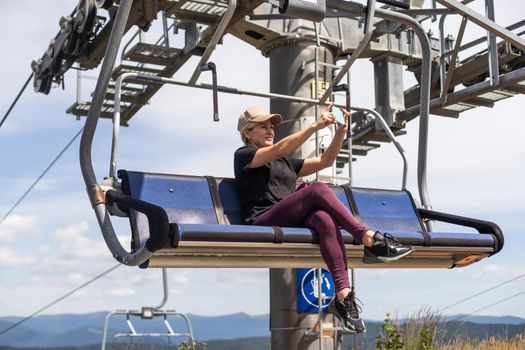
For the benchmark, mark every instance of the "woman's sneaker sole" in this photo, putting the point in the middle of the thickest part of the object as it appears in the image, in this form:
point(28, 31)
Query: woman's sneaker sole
point(394, 258)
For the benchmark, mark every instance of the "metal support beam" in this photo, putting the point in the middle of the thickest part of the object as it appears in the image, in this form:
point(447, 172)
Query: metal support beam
point(481, 40)
point(485, 23)
point(370, 14)
point(472, 91)
point(445, 85)
point(492, 46)
point(214, 40)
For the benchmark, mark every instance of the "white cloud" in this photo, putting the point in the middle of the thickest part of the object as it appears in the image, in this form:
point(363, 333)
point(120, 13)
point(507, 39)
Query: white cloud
point(76, 278)
point(123, 292)
point(491, 270)
point(179, 279)
point(10, 258)
point(15, 226)
point(239, 276)
point(73, 244)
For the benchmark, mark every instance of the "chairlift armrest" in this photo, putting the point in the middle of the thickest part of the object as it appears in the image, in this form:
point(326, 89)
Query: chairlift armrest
point(480, 225)
point(157, 218)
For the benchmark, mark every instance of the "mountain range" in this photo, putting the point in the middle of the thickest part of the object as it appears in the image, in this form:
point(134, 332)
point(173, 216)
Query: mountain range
point(84, 329)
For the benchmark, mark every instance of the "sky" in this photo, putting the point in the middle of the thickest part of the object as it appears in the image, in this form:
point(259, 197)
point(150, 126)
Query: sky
point(51, 242)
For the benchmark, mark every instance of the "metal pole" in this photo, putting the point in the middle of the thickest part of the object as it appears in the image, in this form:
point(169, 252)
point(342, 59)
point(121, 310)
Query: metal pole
point(349, 131)
point(105, 331)
point(370, 11)
point(214, 40)
point(316, 67)
point(165, 29)
point(352, 280)
point(79, 79)
point(448, 77)
point(320, 305)
point(492, 46)
point(164, 288)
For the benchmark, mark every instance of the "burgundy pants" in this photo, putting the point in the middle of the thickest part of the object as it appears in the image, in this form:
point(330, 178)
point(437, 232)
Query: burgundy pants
point(318, 208)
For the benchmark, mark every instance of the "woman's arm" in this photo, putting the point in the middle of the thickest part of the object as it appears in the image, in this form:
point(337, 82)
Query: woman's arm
point(313, 165)
point(290, 143)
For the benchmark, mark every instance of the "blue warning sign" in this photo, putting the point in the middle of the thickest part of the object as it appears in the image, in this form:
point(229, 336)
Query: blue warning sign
point(308, 289)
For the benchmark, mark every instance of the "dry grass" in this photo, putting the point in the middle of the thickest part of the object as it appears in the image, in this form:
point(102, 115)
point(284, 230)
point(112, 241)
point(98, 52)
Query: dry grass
point(516, 343)
point(426, 330)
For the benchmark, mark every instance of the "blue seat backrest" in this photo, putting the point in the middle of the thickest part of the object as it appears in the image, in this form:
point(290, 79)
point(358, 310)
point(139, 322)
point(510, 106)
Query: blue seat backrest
point(340, 193)
point(186, 199)
point(386, 210)
point(231, 203)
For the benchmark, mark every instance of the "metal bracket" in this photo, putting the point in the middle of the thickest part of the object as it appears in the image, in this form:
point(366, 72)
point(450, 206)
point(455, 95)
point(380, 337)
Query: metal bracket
point(96, 195)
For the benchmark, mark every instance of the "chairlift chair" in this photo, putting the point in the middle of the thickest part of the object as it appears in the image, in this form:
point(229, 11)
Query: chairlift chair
point(194, 221)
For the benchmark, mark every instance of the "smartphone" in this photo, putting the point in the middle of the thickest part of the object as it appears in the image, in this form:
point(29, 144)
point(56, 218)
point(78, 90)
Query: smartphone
point(338, 115)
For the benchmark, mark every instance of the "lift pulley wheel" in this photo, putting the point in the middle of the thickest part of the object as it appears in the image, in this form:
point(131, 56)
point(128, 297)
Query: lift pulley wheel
point(103, 4)
point(85, 16)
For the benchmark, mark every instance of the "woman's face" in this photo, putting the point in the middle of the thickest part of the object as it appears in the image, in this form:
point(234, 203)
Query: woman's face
point(261, 135)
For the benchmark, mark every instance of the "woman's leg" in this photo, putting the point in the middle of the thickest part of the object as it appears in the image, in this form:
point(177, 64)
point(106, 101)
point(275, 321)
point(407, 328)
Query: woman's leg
point(295, 208)
point(332, 247)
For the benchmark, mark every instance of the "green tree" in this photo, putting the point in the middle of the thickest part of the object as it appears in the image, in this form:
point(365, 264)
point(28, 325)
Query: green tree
point(194, 345)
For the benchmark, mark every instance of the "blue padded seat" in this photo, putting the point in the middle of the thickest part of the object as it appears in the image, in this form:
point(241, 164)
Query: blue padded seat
point(230, 200)
point(208, 210)
point(194, 213)
point(186, 199)
point(395, 212)
point(385, 210)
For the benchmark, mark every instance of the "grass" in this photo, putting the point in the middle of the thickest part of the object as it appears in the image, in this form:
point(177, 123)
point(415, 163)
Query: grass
point(515, 343)
point(427, 330)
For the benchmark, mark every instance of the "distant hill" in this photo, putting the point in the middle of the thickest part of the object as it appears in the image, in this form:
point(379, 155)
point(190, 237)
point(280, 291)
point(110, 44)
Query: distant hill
point(68, 330)
point(488, 319)
point(80, 330)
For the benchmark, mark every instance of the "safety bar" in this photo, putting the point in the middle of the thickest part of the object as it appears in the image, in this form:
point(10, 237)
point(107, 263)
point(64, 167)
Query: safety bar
point(224, 89)
point(214, 40)
point(213, 68)
point(480, 225)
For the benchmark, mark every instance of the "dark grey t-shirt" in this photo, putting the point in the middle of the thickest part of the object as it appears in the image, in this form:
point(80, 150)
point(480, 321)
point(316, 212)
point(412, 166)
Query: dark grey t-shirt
point(260, 188)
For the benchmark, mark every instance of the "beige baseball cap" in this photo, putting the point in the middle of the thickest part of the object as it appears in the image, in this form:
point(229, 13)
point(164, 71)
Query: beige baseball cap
point(257, 114)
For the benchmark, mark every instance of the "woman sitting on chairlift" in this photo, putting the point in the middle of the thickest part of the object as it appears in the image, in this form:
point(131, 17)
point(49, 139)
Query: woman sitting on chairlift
point(266, 176)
